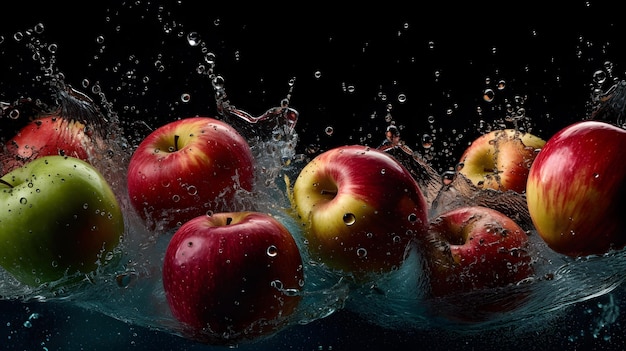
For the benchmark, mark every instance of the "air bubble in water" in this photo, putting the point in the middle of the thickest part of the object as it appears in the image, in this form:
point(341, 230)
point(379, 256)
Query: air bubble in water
point(272, 251)
point(193, 39)
point(488, 95)
point(185, 97)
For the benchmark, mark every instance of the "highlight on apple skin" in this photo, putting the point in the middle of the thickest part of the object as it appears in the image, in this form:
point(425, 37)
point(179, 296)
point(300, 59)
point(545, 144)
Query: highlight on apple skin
point(187, 168)
point(500, 159)
point(469, 250)
point(359, 209)
point(59, 217)
point(46, 136)
point(576, 190)
point(232, 276)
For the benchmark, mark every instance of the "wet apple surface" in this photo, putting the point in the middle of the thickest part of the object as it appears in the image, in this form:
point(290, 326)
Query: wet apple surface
point(293, 89)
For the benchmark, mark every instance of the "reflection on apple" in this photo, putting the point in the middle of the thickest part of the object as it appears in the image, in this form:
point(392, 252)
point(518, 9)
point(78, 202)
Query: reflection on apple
point(187, 168)
point(45, 136)
point(500, 159)
point(232, 276)
point(576, 189)
point(474, 248)
point(359, 209)
point(59, 217)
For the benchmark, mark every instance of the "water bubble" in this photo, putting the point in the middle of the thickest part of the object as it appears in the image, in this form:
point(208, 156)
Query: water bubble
point(448, 177)
point(175, 198)
point(185, 97)
point(192, 190)
point(277, 284)
point(329, 130)
point(599, 77)
point(361, 252)
point(193, 39)
point(349, 219)
point(401, 98)
point(501, 84)
point(100, 39)
point(427, 141)
point(23, 201)
point(272, 251)
point(53, 48)
point(488, 95)
point(317, 74)
point(39, 27)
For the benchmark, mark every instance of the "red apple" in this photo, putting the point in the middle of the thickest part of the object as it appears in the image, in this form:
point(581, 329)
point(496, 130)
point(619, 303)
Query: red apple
point(231, 277)
point(576, 191)
point(46, 136)
point(474, 248)
point(359, 208)
point(500, 159)
point(187, 168)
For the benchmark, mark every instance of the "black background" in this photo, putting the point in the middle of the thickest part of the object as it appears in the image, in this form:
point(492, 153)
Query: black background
point(547, 54)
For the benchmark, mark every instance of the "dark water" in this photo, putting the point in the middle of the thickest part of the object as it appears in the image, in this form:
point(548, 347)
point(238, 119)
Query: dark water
point(349, 76)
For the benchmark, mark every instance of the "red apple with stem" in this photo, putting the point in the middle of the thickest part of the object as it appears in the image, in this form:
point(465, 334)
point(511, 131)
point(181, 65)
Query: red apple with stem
point(500, 159)
point(359, 209)
point(187, 168)
point(471, 249)
point(231, 277)
point(46, 136)
point(576, 189)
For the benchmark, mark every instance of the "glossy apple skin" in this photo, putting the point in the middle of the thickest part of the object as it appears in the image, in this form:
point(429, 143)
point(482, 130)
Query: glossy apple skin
point(359, 209)
point(232, 276)
point(58, 214)
point(475, 247)
point(500, 159)
point(46, 136)
point(472, 254)
point(170, 182)
point(576, 191)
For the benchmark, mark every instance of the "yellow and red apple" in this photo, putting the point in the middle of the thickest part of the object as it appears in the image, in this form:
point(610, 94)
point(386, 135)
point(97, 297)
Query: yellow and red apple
point(359, 209)
point(232, 276)
point(187, 168)
point(500, 159)
point(576, 191)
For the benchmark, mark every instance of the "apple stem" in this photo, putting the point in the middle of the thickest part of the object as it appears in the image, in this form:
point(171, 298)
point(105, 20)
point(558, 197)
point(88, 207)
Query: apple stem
point(229, 220)
point(328, 192)
point(6, 183)
point(176, 137)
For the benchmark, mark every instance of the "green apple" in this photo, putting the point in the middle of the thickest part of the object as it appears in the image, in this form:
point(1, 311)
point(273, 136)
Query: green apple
point(58, 217)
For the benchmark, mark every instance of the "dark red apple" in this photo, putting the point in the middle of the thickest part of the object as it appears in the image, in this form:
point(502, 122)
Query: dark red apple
point(232, 277)
point(187, 168)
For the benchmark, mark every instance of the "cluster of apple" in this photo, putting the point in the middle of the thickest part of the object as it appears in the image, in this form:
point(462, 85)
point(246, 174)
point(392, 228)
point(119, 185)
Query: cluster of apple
point(231, 272)
point(60, 220)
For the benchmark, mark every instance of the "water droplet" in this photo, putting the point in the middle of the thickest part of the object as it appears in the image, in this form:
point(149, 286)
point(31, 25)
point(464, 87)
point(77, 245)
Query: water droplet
point(427, 141)
point(272, 251)
point(448, 177)
point(193, 39)
point(192, 190)
point(488, 95)
point(349, 219)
